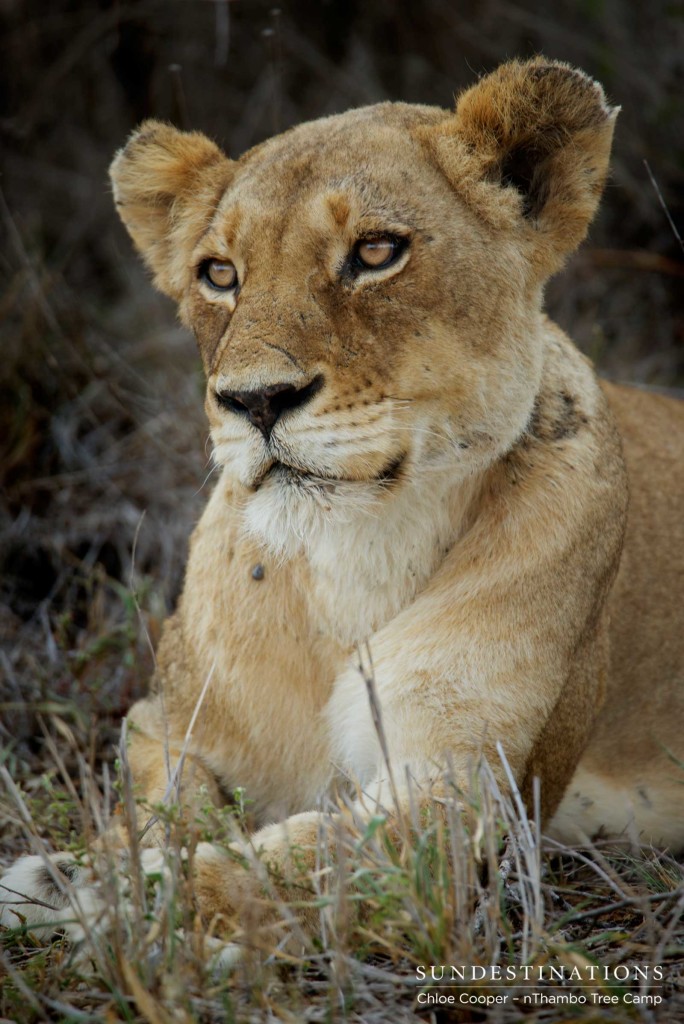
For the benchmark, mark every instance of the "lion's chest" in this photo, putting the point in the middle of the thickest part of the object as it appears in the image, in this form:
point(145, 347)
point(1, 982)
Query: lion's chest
point(275, 632)
point(363, 556)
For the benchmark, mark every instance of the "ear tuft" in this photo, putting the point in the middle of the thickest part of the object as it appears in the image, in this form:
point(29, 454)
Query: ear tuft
point(166, 184)
point(531, 140)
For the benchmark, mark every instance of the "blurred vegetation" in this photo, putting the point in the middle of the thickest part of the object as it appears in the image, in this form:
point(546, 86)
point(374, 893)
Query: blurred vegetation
point(102, 437)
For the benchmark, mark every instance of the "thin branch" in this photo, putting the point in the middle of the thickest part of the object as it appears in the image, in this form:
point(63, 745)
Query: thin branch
point(664, 205)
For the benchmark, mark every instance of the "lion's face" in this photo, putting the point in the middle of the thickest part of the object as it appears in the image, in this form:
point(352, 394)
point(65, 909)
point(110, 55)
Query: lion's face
point(365, 330)
point(365, 289)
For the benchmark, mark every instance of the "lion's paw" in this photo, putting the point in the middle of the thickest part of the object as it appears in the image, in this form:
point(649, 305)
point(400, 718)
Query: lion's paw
point(49, 894)
point(60, 894)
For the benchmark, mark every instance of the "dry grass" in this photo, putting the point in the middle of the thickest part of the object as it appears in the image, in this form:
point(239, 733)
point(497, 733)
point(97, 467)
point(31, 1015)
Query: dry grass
point(443, 896)
point(102, 451)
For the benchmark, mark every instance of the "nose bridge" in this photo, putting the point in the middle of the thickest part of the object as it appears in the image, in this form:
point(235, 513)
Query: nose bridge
point(270, 339)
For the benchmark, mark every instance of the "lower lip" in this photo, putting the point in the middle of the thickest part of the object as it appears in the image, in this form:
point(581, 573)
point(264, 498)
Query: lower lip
point(387, 475)
point(303, 474)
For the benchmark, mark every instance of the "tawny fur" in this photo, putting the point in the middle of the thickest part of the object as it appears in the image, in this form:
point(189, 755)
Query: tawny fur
point(455, 494)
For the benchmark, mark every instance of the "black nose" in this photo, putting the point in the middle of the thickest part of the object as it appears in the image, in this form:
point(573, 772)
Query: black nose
point(263, 408)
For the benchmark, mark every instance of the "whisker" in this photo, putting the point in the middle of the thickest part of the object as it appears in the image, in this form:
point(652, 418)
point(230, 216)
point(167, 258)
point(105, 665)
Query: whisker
point(213, 469)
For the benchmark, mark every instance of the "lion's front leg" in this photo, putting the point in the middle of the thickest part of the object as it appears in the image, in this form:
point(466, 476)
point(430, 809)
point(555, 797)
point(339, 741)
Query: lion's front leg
point(161, 770)
point(506, 647)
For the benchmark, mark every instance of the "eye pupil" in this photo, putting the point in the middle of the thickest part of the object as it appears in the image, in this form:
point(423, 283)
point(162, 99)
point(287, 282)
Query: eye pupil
point(220, 274)
point(376, 252)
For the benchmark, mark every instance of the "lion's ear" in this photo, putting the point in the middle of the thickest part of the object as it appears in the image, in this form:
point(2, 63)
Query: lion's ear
point(166, 186)
point(530, 142)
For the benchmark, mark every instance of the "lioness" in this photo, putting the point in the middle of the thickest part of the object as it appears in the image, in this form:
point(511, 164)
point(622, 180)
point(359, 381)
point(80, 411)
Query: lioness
point(415, 457)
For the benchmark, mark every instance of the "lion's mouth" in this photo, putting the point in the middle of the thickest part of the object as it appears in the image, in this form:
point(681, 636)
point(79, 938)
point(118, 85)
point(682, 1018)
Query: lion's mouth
point(298, 475)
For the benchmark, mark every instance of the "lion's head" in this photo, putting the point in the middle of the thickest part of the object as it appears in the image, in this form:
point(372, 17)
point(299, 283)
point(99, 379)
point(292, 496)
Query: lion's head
point(366, 289)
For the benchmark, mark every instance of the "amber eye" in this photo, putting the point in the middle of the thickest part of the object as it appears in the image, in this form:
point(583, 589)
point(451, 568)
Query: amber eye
point(220, 274)
point(378, 251)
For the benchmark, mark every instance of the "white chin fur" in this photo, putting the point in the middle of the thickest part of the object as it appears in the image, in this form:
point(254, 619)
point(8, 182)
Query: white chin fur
point(291, 513)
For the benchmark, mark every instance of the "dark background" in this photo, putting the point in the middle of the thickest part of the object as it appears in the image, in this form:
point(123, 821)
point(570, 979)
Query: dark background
point(102, 438)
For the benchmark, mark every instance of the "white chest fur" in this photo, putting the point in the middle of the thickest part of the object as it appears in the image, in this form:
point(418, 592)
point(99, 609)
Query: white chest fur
point(370, 548)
